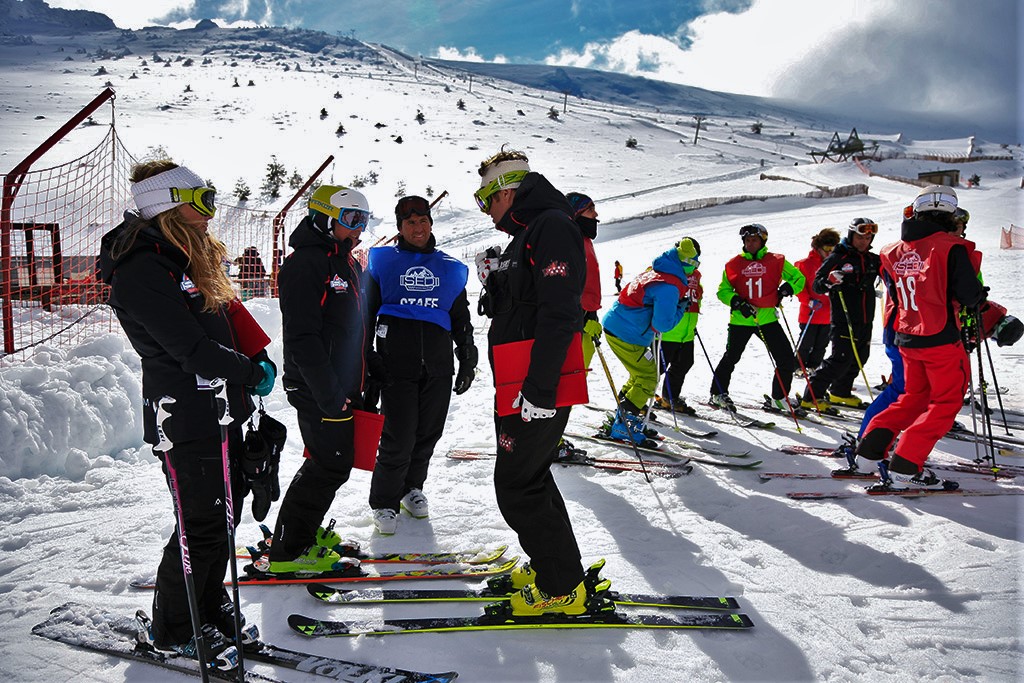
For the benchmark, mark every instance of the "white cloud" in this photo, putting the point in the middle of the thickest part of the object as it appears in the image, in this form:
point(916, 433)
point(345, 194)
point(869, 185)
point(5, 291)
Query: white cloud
point(468, 55)
point(887, 54)
point(129, 14)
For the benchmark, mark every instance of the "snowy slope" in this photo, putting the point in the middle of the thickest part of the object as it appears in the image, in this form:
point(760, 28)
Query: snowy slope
point(861, 589)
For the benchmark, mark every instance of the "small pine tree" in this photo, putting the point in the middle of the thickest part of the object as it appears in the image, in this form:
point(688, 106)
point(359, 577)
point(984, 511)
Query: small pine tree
point(323, 113)
point(420, 118)
point(461, 104)
point(553, 114)
point(274, 179)
point(755, 128)
point(295, 181)
point(341, 130)
point(429, 191)
point(241, 191)
point(631, 142)
point(400, 190)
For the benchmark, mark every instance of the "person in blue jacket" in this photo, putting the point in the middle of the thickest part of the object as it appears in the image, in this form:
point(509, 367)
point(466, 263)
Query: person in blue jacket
point(654, 302)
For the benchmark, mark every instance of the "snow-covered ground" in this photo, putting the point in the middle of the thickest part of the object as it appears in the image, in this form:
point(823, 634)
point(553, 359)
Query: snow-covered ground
point(859, 589)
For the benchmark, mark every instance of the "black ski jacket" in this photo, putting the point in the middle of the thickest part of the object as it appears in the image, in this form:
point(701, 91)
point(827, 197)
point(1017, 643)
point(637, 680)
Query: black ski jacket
point(322, 319)
point(962, 280)
point(415, 347)
point(162, 314)
point(860, 272)
point(534, 291)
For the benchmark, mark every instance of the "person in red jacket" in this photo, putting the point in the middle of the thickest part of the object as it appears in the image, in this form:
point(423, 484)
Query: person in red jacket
point(618, 277)
point(815, 309)
point(930, 273)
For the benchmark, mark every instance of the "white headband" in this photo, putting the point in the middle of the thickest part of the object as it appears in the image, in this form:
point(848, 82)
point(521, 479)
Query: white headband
point(502, 167)
point(152, 196)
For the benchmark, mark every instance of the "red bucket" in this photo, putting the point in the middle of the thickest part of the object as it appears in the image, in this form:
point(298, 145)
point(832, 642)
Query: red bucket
point(368, 429)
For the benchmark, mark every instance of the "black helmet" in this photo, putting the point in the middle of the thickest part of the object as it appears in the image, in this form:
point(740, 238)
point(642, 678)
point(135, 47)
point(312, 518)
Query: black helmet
point(754, 229)
point(862, 226)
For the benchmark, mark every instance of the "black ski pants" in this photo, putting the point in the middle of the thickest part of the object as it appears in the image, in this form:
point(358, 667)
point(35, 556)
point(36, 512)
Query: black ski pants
point(415, 411)
point(839, 371)
point(198, 469)
point(778, 347)
point(530, 501)
point(679, 360)
point(329, 454)
point(812, 346)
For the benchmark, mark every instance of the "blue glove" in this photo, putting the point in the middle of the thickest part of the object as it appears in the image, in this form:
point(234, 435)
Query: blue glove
point(814, 304)
point(267, 383)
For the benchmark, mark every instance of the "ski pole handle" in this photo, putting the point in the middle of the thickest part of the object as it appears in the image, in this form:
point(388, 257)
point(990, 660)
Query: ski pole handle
point(220, 388)
point(162, 414)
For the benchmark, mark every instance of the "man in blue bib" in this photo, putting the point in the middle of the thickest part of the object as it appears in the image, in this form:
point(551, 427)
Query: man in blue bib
point(417, 295)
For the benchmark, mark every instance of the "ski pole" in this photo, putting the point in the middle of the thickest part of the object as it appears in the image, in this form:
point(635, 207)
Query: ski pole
point(668, 387)
point(714, 375)
point(165, 446)
point(802, 366)
point(618, 409)
point(220, 388)
point(778, 376)
point(658, 357)
point(974, 415)
point(986, 412)
point(995, 383)
point(853, 344)
point(803, 332)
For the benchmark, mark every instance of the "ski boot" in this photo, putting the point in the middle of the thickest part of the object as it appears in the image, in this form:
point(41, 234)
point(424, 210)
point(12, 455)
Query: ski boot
point(224, 620)
point(850, 401)
point(848, 450)
point(782, 405)
point(901, 475)
point(220, 654)
point(568, 451)
point(628, 427)
point(314, 560)
point(723, 401)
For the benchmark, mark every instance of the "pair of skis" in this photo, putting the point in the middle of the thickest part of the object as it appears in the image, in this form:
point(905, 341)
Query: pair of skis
point(103, 632)
point(666, 470)
point(603, 611)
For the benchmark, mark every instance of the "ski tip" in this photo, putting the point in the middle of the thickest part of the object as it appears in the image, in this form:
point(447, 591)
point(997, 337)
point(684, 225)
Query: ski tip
point(305, 625)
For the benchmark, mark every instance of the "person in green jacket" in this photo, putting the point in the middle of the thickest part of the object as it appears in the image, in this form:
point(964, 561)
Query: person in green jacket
point(677, 343)
point(753, 284)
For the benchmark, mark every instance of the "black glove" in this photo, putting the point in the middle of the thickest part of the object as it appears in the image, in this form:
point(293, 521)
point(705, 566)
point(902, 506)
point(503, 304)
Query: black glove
point(257, 471)
point(785, 290)
point(745, 308)
point(275, 434)
point(1008, 331)
point(377, 369)
point(468, 357)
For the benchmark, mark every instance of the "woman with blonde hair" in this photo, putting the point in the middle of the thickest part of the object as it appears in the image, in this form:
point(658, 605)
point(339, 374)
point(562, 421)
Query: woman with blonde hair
point(172, 297)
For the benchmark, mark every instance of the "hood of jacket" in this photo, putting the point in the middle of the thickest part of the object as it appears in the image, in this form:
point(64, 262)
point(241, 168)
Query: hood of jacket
point(305, 235)
point(534, 196)
point(132, 236)
point(919, 228)
point(668, 262)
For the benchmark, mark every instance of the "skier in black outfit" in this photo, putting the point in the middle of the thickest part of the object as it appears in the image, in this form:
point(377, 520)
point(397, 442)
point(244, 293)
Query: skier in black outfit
point(850, 270)
point(533, 292)
point(171, 296)
point(417, 296)
point(322, 318)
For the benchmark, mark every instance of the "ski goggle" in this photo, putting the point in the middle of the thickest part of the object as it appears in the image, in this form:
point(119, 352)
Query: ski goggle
point(865, 228)
point(828, 248)
point(202, 199)
point(353, 219)
point(484, 194)
point(407, 206)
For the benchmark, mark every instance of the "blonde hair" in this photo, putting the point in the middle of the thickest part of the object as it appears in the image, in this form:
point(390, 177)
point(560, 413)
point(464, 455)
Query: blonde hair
point(502, 155)
point(205, 252)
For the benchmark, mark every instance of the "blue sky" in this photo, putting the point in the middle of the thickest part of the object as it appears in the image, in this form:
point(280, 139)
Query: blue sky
point(928, 56)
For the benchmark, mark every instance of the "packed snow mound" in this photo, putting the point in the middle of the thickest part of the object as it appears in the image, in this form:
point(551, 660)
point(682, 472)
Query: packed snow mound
point(60, 411)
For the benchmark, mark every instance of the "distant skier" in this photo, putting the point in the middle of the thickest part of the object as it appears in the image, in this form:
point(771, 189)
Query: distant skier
point(815, 309)
point(753, 284)
point(617, 274)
